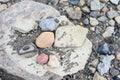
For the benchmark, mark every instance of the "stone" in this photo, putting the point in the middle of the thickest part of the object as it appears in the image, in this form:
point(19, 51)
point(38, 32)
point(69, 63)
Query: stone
point(118, 7)
point(95, 14)
point(94, 63)
point(92, 69)
point(104, 49)
point(118, 56)
point(114, 72)
point(112, 13)
point(45, 40)
point(82, 2)
point(48, 24)
point(103, 1)
point(53, 61)
point(108, 32)
point(112, 22)
point(3, 7)
point(104, 65)
point(42, 58)
point(105, 9)
point(117, 19)
point(24, 25)
point(116, 78)
point(114, 1)
point(4, 1)
point(98, 77)
point(93, 21)
point(102, 18)
point(73, 34)
point(95, 5)
point(85, 9)
point(74, 2)
point(86, 21)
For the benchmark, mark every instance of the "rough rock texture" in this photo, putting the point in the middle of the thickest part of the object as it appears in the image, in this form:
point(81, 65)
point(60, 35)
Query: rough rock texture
point(98, 77)
point(70, 36)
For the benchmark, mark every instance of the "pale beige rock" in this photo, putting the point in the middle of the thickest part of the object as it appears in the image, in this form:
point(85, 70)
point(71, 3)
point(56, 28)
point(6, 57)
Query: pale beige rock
point(70, 36)
point(45, 40)
point(53, 61)
point(3, 7)
point(117, 19)
point(98, 77)
point(118, 56)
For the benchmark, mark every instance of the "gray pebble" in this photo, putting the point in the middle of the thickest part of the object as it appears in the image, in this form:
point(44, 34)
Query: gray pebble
point(112, 13)
point(114, 72)
point(86, 21)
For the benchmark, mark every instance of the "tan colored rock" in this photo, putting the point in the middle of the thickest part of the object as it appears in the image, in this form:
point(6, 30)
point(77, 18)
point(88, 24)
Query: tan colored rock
point(98, 77)
point(53, 61)
point(118, 56)
point(45, 40)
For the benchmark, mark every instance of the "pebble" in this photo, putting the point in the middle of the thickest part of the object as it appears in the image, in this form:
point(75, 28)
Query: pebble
point(114, 1)
point(103, 1)
point(116, 78)
point(104, 49)
point(98, 77)
point(85, 9)
point(86, 21)
point(82, 2)
point(92, 69)
point(104, 65)
point(112, 13)
point(118, 7)
point(105, 9)
point(24, 25)
point(117, 19)
point(108, 32)
point(112, 22)
point(114, 72)
point(95, 5)
point(93, 21)
point(102, 18)
point(3, 7)
point(48, 24)
point(42, 58)
point(74, 2)
point(4, 1)
point(95, 14)
point(45, 40)
point(53, 61)
point(118, 56)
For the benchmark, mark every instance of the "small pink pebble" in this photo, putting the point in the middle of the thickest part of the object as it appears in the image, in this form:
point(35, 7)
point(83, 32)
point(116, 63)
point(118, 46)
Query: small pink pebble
point(42, 58)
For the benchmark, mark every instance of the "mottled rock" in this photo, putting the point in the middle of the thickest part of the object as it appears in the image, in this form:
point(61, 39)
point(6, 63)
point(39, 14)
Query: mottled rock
point(53, 61)
point(112, 13)
point(93, 21)
point(45, 40)
point(118, 56)
point(105, 9)
point(104, 65)
point(117, 19)
point(3, 7)
point(42, 58)
point(95, 14)
point(48, 24)
point(86, 21)
point(98, 77)
point(114, 1)
point(114, 72)
point(108, 32)
point(70, 36)
point(85, 9)
point(24, 25)
point(95, 5)
point(102, 18)
point(112, 22)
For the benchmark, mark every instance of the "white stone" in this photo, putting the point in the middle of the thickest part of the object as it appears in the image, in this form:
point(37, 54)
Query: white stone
point(70, 36)
point(108, 32)
point(95, 5)
point(93, 21)
point(115, 1)
point(117, 19)
point(98, 77)
point(4, 0)
point(24, 25)
point(3, 7)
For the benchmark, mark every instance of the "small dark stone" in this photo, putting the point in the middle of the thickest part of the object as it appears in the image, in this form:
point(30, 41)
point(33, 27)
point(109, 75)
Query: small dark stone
point(115, 78)
point(74, 2)
point(104, 49)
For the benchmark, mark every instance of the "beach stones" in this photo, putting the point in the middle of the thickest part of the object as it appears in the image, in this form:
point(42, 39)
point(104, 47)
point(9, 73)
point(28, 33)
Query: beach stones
point(45, 40)
point(42, 58)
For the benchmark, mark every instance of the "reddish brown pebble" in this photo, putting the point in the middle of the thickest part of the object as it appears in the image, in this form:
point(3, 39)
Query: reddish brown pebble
point(45, 40)
point(42, 58)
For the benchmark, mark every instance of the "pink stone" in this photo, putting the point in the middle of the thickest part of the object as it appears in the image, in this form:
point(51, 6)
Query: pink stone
point(105, 9)
point(42, 58)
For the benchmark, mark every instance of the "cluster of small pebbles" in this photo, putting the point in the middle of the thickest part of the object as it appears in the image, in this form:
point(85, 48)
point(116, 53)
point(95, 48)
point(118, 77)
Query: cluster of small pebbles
point(100, 17)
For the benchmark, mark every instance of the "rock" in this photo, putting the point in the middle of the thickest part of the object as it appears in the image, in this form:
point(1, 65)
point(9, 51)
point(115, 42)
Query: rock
point(45, 40)
point(114, 72)
point(118, 56)
point(74, 2)
point(86, 21)
point(103, 1)
point(118, 7)
point(94, 63)
point(73, 34)
point(117, 19)
point(104, 65)
point(53, 61)
point(116, 78)
point(3, 7)
point(4, 1)
point(114, 1)
point(112, 13)
point(112, 22)
point(102, 18)
point(104, 49)
point(105, 9)
point(93, 21)
point(85, 9)
point(48, 24)
point(82, 2)
point(74, 14)
point(108, 32)
point(98, 77)
point(95, 5)
point(92, 28)
point(42, 58)
point(92, 69)
point(24, 25)
point(95, 14)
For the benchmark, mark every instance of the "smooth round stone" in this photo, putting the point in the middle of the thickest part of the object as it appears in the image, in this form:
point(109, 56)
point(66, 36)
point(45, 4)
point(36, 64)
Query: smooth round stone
point(45, 40)
point(42, 58)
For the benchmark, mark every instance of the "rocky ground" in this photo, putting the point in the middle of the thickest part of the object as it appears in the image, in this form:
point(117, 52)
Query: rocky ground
point(100, 17)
